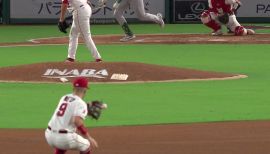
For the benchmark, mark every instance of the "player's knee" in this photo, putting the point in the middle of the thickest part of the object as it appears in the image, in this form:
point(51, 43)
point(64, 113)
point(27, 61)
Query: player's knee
point(117, 13)
point(240, 31)
point(85, 147)
point(141, 16)
point(205, 17)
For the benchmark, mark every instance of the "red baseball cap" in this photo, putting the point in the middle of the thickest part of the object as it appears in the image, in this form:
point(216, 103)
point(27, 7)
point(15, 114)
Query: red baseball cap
point(80, 82)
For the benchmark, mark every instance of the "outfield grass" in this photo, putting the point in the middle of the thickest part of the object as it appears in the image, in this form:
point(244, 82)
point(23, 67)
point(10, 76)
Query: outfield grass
point(31, 105)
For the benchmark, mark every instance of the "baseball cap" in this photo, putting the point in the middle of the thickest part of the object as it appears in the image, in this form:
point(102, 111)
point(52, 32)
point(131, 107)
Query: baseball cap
point(80, 82)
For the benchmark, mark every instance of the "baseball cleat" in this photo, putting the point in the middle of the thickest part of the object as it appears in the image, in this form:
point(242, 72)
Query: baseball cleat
point(127, 38)
point(98, 60)
point(70, 60)
point(217, 33)
point(250, 32)
point(161, 22)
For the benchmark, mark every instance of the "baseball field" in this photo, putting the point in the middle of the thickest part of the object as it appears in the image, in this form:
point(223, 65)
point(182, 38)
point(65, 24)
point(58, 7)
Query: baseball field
point(183, 116)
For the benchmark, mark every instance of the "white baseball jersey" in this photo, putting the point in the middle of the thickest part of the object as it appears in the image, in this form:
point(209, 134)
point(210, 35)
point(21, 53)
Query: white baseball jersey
point(69, 106)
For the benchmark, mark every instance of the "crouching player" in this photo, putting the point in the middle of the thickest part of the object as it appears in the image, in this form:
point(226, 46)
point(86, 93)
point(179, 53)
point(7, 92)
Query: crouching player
point(221, 12)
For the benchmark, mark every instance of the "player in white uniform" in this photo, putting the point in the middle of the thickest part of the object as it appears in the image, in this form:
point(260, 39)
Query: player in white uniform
point(138, 5)
point(67, 120)
point(81, 25)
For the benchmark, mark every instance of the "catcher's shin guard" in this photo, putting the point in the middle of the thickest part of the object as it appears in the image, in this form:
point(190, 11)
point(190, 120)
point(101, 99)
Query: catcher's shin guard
point(240, 31)
point(209, 22)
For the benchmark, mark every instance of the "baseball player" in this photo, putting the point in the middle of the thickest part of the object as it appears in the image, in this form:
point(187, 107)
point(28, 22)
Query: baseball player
point(138, 5)
point(81, 25)
point(221, 12)
point(68, 119)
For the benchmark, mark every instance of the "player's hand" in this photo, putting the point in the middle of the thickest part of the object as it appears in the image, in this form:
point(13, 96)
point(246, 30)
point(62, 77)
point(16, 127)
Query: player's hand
point(93, 142)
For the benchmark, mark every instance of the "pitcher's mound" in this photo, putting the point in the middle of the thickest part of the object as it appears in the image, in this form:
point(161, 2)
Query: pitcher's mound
point(121, 72)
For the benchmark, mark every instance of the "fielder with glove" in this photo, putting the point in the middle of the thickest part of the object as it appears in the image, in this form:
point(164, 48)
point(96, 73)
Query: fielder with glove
point(66, 129)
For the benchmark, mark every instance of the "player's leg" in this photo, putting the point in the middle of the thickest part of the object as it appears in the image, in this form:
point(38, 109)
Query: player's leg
point(83, 23)
point(119, 7)
point(55, 140)
point(138, 6)
point(236, 27)
point(79, 143)
point(207, 19)
point(73, 40)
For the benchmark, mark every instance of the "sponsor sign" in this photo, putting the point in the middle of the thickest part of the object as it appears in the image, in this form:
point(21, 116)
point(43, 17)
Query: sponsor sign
point(50, 9)
point(255, 8)
point(89, 73)
point(119, 77)
point(188, 10)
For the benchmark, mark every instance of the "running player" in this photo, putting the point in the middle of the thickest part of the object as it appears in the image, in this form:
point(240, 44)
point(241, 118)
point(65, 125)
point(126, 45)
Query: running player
point(138, 5)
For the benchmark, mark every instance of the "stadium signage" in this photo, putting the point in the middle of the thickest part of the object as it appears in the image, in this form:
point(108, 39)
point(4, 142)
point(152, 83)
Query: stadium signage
point(254, 9)
point(263, 8)
point(188, 10)
point(50, 10)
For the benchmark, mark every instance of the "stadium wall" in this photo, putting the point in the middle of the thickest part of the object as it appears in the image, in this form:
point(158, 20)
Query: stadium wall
point(174, 11)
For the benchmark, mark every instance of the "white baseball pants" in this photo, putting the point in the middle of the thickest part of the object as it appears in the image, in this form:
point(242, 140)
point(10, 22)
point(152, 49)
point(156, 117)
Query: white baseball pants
point(81, 25)
point(68, 141)
point(138, 6)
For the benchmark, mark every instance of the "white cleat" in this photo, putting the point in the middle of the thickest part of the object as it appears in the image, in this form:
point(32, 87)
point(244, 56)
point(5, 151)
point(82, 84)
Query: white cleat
point(127, 38)
point(250, 32)
point(161, 22)
point(217, 33)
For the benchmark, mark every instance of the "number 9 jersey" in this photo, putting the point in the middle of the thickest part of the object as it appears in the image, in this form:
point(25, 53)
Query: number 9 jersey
point(69, 106)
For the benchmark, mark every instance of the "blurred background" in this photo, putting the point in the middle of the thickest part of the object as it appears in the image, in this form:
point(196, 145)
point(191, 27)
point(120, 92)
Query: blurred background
point(174, 11)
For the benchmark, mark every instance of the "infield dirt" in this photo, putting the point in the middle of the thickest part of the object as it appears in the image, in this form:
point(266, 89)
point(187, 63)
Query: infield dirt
point(205, 138)
point(155, 39)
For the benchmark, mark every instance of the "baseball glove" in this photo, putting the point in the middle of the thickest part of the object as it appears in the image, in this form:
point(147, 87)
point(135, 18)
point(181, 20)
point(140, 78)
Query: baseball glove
point(223, 18)
point(63, 26)
point(94, 109)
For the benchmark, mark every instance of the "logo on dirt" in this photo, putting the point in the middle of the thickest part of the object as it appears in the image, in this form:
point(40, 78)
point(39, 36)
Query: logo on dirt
point(70, 73)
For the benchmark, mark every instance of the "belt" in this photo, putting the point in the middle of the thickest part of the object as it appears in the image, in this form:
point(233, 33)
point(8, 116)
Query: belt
point(59, 131)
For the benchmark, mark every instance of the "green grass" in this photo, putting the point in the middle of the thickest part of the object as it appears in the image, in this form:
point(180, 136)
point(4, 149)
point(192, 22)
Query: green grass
point(31, 105)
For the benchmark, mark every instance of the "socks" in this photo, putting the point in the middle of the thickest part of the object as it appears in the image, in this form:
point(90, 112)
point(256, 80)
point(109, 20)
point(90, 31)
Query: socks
point(126, 29)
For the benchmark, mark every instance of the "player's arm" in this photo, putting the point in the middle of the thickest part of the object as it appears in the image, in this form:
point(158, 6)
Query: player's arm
point(64, 7)
point(78, 121)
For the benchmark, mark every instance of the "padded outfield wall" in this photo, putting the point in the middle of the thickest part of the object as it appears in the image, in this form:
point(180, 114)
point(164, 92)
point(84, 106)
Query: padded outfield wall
point(174, 11)
point(188, 11)
point(48, 11)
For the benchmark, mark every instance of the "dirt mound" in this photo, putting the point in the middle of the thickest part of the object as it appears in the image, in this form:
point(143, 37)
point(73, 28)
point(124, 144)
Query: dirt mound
point(106, 72)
